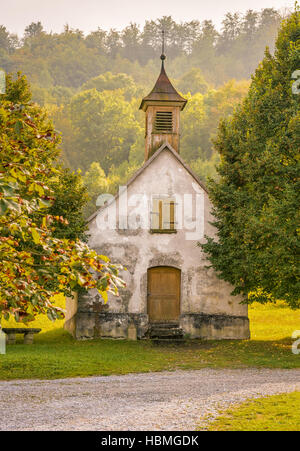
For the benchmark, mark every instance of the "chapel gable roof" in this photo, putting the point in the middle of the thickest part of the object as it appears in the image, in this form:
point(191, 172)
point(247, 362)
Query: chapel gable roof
point(164, 147)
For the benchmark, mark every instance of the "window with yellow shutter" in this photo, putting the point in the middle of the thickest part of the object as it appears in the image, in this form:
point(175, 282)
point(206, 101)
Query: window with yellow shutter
point(163, 215)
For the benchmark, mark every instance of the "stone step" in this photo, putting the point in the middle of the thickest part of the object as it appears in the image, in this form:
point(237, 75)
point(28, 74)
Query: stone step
point(166, 333)
point(165, 325)
point(165, 341)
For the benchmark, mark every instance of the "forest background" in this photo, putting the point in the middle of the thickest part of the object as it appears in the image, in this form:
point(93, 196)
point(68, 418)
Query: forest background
point(91, 86)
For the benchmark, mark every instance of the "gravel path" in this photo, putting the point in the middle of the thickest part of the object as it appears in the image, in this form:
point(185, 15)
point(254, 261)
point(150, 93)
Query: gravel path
point(177, 400)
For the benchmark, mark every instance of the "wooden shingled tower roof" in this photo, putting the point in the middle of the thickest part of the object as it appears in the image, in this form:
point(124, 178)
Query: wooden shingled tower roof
point(163, 90)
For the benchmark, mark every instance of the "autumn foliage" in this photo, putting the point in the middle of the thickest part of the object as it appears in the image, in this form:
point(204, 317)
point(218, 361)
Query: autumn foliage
point(34, 263)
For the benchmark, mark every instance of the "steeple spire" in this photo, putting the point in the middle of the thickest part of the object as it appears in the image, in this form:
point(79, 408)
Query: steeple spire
point(163, 56)
point(163, 90)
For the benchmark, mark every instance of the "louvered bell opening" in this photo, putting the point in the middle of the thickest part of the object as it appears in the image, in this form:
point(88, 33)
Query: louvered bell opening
point(163, 122)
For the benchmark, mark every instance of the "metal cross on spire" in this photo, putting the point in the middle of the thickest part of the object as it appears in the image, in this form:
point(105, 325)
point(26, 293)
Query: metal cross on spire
point(163, 56)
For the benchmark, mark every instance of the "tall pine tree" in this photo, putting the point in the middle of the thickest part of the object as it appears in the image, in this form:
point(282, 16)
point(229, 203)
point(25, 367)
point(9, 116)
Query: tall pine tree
point(256, 198)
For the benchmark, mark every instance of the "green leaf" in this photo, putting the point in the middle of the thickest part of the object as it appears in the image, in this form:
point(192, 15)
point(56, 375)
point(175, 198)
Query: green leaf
point(3, 206)
point(8, 190)
point(18, 127)
point(44, 203)
point(50, 315)
point(73, 283)
point(105, 296)
point(35, 236)
point(14, 206)
point(104, 258)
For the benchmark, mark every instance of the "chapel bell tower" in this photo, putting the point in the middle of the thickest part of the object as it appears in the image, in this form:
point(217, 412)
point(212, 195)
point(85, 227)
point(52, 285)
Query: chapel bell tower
point(162, 107)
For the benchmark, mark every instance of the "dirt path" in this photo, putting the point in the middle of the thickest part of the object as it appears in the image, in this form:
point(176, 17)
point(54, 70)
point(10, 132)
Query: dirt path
point(154, 401)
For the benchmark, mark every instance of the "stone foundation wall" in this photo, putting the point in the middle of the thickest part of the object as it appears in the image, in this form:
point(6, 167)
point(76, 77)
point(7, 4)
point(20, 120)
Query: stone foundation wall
point(111, 325)
point(135, 326)
point(215, 327)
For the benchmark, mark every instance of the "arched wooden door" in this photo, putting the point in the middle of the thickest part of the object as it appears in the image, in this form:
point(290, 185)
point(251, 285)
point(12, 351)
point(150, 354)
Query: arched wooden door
point(164, 294)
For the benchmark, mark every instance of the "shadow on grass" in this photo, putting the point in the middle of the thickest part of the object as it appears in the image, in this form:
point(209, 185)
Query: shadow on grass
point(236, 354)
point(192, 354)
point(54, 336)
point(262, 347)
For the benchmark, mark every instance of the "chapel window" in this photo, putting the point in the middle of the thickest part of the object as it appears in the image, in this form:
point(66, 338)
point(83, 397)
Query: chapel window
point(163, 215)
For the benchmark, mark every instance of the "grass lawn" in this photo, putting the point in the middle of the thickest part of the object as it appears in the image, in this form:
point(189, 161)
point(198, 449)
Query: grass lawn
point(55, 354)
point(273, 413)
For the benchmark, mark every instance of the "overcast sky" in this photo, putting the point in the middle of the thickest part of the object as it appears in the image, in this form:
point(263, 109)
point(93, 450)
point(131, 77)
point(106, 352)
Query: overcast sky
point(88, 15)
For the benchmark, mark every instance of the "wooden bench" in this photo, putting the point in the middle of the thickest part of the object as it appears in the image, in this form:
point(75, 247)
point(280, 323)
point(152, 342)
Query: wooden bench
point(28, 334)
